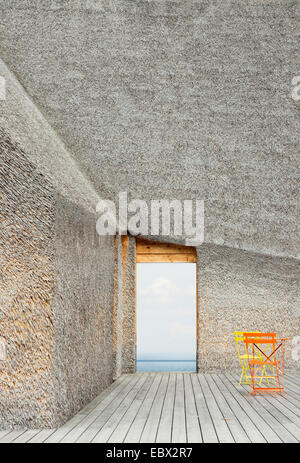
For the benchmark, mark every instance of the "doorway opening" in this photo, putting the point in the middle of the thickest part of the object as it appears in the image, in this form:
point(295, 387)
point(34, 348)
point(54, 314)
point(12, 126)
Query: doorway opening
point(166, 302)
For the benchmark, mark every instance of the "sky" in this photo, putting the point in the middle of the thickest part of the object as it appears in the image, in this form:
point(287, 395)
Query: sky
point(166, 311)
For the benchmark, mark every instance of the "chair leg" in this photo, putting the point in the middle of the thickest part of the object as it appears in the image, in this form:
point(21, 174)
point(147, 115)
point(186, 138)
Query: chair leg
point(263, 371)
point(246, 368)
point(266, 375)
point(241, 377)
point(277, 374)
point(244, 374)
point(252, 384)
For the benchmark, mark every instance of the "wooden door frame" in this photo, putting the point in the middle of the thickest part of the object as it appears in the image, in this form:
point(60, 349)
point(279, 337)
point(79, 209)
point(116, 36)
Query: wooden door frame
point(148, 251)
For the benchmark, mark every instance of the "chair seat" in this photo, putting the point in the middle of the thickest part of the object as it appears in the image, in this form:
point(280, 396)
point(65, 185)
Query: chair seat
point(247, 356)
point(261, 362)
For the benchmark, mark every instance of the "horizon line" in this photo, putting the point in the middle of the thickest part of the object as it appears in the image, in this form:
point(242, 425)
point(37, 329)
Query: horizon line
point(166, 360)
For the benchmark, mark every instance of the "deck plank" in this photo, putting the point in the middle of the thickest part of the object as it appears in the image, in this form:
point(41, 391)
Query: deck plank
point(179, 421)
point(237, 431)
point(67, 432)
point(293, 379)
point(220, 424)
point(164, 433)
point(11, 436)
point(264, 429)
point(73, 432)
point(3, 433)
point(41, 436)
point(271, 415)
point(289, 403)
point(105, 414)
point(193, 430)
point(121, 430)
point(277, 406)
point(208, 431)
point(240, 412)
point(136, 428)
point(292, 390)
point(280, 404)
point(178, 408)
point(106, 431)
point(292, 384)
point(93, 423)
point(26, 436)
point(293, 399)
point(151, 426)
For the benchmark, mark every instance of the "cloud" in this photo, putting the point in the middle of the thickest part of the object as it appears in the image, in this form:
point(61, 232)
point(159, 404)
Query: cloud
point(166, 290)
point(161, 291)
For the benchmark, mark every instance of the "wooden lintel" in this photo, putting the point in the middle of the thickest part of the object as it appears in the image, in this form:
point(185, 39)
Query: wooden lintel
point(153, 251)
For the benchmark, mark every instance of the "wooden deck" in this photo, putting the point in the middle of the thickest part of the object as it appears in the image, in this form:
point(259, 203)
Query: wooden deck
point(179, 408)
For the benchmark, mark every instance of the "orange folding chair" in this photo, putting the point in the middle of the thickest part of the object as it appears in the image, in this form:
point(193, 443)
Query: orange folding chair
point(265, 350)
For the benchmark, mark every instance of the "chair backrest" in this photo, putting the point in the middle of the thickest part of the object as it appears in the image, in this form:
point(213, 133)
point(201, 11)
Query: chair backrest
point(259, 338)
point(258, 342)
point(239, 337)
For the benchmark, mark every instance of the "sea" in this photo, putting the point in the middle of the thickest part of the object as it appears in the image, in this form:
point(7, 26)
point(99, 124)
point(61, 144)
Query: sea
point(166, 365)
